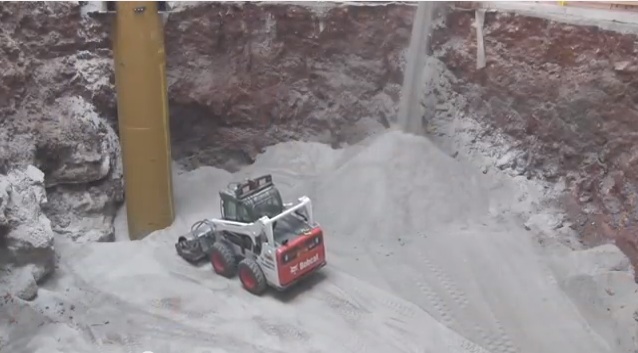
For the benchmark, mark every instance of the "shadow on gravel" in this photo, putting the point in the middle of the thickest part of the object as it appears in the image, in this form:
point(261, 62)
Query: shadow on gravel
point(299, 289)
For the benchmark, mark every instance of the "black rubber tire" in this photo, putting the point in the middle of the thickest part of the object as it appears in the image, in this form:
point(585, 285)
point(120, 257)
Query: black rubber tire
point(256, 283)
point(224, 254)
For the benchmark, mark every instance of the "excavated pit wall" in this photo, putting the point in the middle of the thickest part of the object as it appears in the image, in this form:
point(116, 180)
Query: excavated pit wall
point(568, 96)
point(242, 77)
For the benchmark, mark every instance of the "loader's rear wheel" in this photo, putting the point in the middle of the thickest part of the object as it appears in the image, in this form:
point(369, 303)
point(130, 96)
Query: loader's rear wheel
point(223, 260)
point(252, 277)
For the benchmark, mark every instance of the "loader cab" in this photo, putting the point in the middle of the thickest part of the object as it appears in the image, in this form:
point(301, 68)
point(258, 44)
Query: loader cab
point(294, 242)
point(248, 201)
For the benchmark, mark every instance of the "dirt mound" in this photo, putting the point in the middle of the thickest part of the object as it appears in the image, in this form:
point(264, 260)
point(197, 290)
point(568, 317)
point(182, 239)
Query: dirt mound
point(444, 263)
point(398, 204)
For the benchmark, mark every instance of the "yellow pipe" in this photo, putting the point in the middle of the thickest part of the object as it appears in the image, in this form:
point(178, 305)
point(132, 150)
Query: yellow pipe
point(138, 45)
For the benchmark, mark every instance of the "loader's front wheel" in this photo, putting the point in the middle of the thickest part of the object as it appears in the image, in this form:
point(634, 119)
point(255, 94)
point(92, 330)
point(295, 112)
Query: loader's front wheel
point(223, 260)
point(252, 277)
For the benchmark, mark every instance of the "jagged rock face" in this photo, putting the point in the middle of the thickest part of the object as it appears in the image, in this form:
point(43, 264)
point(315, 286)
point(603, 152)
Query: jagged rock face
point(19, 282)
point(568, 96)
point(80, 155)
point(242, 77)
point(73, 145)
point(25, 232)
point(53, 97)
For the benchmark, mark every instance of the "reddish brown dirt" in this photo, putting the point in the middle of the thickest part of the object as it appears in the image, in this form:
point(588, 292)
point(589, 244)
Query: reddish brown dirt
point(569, 94)
point(253, 75)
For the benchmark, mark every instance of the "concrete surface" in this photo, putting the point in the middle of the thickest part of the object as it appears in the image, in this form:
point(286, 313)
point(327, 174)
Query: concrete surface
point(424, 255)
point(614, 20)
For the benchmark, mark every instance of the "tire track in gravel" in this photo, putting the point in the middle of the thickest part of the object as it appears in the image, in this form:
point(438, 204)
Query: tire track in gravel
point(282, 331)
point(497, 340)
point(450, 287)
point(386, 303)
point(350, 310)
point(435, 303)
point(398, 195)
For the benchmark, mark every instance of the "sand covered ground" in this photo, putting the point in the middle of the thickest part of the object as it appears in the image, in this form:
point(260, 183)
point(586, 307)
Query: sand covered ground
point(426, 253)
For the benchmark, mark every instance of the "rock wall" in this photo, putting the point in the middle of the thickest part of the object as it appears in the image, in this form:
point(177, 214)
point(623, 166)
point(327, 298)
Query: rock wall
point(27, 237)
point(568, 96)
point(54, 94)
point(60, 169)
point(242, 77)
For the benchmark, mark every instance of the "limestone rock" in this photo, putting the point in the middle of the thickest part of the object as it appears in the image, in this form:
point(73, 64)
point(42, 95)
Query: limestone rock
point(26, 230)
point(56, 96)
point(5, 188)
point(83, 171)
point(506, 160)
point(545, 222)
point(626, 66)
point(21, 283)
point(598, 260)
point(84, 215)
point(74, 145)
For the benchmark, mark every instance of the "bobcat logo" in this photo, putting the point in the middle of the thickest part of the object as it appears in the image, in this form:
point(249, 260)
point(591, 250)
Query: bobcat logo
point(309, 262)
point(304, 264)
point(294, 269)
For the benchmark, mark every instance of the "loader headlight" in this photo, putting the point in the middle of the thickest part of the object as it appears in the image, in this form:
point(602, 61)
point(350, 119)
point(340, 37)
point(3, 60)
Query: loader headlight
point(288, 256)
point(312, 243)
